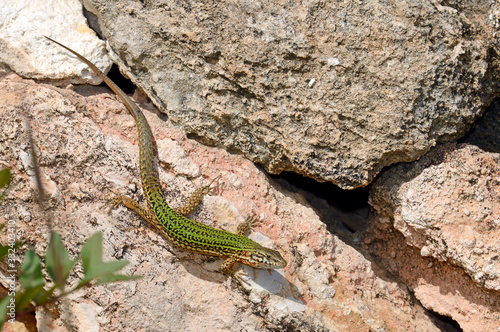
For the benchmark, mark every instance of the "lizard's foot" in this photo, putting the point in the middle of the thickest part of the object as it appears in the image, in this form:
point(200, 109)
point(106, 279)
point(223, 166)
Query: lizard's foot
point(250, 221)
point(133, 205)
point(195, 198)
point(242, 278)
point(208, 189)
point(114, 202)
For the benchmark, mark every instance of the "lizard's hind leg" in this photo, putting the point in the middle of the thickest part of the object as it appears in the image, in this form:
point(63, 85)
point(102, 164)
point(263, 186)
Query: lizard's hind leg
point(133, 205)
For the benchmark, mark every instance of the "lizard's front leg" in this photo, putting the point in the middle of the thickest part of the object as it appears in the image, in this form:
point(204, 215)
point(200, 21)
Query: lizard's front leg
point(227, 269)
point(195, 198)
point(247, 224)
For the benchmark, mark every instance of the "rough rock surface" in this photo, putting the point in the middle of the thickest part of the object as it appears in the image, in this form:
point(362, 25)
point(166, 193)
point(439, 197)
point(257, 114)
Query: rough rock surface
point(266, 80)
point(25, 51)
point(332, 90)
point(313, 87)
point(447, 206)
point(86, 146)
point(439, 286)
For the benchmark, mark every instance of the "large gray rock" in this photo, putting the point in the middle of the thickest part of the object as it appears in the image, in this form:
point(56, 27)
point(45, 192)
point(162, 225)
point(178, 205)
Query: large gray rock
point(334, 91)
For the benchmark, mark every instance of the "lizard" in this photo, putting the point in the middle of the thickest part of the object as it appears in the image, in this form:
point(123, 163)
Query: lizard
point(182, 232)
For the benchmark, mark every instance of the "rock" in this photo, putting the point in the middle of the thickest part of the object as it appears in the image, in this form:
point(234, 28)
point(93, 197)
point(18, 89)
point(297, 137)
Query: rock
point(313, 87)
point(446, 206)
point(266, 80)
point(441, 287)
point(87, 148)
point(29, 54)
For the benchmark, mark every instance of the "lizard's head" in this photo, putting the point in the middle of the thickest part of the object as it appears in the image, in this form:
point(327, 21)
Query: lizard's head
point(265, 258)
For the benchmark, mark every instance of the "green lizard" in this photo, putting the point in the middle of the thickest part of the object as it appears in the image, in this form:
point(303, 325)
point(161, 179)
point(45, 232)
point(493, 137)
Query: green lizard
point(184, 233)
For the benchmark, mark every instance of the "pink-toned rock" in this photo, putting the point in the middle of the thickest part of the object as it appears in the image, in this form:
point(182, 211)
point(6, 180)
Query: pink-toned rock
point(448, 205)
point(447, 208)
point(87, 147)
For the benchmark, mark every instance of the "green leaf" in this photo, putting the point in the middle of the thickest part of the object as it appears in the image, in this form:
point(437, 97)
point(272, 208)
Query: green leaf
point(57, 261)
point(91, 253)
point(4, 250)
point(106, 269)
point(94, 267)
point(3, 309)
point(59, 266)
point(102, 270)
point(45, 295)
point(31, 271)
point(5, 177)
point(24, 297)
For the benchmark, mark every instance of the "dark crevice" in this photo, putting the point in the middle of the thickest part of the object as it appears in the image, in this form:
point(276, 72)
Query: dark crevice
point(93, 22)
point(123, 83)
point(445, 323)
point(345, 200)
point(485, 133)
